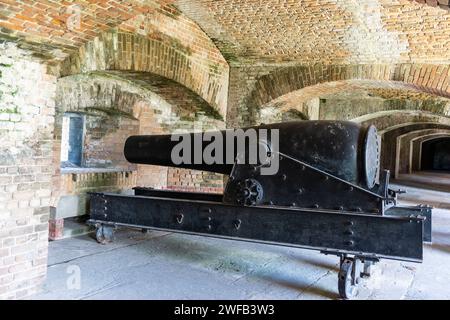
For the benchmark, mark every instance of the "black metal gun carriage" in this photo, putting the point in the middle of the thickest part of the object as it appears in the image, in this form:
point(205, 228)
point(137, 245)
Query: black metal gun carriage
point(328, 194)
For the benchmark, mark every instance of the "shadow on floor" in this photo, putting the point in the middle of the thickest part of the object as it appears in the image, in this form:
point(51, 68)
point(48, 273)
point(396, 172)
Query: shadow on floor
point(242, 262)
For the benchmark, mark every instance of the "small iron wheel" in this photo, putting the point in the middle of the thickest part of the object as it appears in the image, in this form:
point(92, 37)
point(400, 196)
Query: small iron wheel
point(346, 283)
point(104, 234)
point(249, 192)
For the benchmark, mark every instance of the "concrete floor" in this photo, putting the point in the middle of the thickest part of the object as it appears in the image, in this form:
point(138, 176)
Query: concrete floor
point(434, 180)
point(174, 266)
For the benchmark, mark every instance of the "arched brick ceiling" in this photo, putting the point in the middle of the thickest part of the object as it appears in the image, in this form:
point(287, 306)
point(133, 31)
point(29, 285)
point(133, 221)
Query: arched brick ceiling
point(381, 89)
point(355, 100)
point(251, 31)
point(389, 139)
point(151, 36)
point(405, 149)
point(389, 120)
point(52, 28)
point(173, 92)
point(325, 31)
point(121, 90)
point(433, 135)
point(169, 57)
point(429, 78)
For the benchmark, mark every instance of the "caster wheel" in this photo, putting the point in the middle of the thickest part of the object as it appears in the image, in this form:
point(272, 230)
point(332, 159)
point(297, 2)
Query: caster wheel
point(345, 282)
point(104, 234)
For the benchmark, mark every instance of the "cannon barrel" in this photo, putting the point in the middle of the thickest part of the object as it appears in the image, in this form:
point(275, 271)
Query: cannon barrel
point(344, 149)
point(157, 150)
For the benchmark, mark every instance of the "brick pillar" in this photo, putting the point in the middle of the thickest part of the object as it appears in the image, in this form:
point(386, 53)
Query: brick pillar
point(55, 229)
point(26, 125)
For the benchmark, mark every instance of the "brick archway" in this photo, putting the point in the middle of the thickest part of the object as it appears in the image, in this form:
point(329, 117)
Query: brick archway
point(124, 51)
point(432, 79)
point(146, 103)
point(115, 106)
point(408, 149)
point(392, 125)
point(389, 140)
point(386, 121)
point(310, 100)
point(417, 148)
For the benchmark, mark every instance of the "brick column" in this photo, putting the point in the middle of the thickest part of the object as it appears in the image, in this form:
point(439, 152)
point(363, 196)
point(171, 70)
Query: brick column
point(26, 125)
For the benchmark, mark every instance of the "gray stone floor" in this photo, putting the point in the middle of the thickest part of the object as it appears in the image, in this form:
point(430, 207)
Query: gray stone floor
point(434, 180)
point(174, 266)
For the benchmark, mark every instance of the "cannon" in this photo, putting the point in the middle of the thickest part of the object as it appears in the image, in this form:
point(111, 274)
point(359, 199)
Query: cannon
point(314, 184)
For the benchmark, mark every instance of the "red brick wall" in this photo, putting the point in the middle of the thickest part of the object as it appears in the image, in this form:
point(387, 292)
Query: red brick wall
point(26, 123)
point(54, 22)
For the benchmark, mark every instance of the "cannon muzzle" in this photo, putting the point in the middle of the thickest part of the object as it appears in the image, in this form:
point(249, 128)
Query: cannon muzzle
point(158, 149)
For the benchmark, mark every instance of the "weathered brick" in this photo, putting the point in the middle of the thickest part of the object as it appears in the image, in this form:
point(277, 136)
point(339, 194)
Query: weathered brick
point(4, 252)
point(8, 242)
point(19, 267)
point(40, 262)
point(23, 195)
point(6, 279)
point(41, 227)
point(3, 271)
point(21, 231)
point(5, 180)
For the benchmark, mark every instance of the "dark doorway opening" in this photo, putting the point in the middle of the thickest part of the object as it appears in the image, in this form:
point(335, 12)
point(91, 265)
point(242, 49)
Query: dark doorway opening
point(436, 155)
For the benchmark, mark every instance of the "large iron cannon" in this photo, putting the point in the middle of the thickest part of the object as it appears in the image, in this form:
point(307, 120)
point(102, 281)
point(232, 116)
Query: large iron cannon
point(344, 149)
point(314, 184)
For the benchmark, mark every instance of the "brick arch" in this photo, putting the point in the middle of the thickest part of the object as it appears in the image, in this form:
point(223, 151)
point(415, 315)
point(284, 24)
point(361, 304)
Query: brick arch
point(196, 65)
point(130, 94)
point(157, 37)
point(392, 125)
point(306, 100)
point(269, 88)
point(407, 148)
point(389, 140)
point(436, 134)
point(386, 121)
point(417, 147)
point(145, 104)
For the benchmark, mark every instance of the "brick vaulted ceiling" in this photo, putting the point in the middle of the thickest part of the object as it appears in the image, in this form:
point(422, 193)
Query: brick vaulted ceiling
point(54, 28)
point(326, 31)
point(251, 31)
